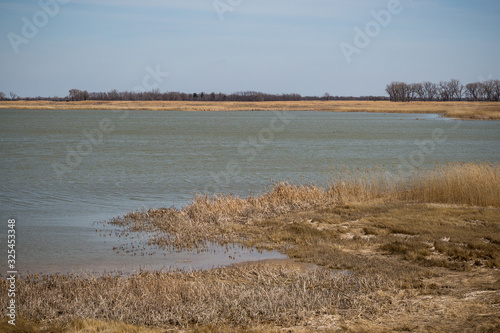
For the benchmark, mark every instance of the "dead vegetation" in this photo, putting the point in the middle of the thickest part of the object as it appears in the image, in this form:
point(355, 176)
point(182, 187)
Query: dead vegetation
point(244, 296)
point(462, 110)
point(417, 255)
point(227, 219)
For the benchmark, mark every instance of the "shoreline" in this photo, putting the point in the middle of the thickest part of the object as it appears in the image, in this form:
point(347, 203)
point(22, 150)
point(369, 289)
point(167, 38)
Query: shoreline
point(460, 110)
point(378, 258)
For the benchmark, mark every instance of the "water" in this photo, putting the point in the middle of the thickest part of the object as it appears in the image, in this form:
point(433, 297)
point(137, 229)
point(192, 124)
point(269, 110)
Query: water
point(141, 159)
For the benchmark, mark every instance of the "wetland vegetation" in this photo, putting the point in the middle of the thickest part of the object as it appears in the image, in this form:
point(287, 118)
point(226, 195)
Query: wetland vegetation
point(369, 253)
point(461, 110)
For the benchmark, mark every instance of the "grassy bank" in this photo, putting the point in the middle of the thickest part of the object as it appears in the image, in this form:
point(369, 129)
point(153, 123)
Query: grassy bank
point(463, 110)
point(371, 253)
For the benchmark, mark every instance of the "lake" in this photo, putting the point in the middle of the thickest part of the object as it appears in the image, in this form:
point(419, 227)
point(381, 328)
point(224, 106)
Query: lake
point(63, 170)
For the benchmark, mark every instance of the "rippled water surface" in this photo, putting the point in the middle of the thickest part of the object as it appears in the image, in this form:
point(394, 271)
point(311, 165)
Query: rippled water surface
point(63, 170)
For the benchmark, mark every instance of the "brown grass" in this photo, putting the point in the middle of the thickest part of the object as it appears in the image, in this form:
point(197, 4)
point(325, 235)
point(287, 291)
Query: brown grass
point(222, 219)
point(462, 110)
point(238, 295)
point(212, 219)
point(77, 325)
point(464, 183)
point(476, 184)
point(417, 254)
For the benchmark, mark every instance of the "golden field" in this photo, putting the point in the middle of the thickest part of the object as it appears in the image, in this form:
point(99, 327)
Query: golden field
point(464, 110)
point(368, 253)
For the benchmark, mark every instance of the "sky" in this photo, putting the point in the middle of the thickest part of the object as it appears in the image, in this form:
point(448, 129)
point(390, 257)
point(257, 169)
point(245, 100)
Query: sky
point(310, 47)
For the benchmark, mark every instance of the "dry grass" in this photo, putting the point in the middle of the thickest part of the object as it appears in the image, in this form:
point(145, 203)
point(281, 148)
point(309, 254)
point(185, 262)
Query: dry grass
point(421, 255)
point(212, 219)
point(226, 219)
point(77, 325)
point(244, 296)
point(464, 183)
point(463, 110)
point(476, 184)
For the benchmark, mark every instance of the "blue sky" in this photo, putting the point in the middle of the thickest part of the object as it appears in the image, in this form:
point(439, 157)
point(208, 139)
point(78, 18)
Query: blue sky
point(275, 46)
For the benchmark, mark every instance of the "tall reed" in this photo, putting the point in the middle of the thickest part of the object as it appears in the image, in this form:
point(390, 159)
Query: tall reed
point(476, 184)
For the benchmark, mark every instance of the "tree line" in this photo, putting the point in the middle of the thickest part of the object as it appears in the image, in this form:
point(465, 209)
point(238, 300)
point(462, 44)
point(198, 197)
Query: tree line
point(451, 90)
point(157, 95)
point(242, 96)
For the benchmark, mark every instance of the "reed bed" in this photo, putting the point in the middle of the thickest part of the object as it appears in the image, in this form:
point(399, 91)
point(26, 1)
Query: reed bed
point(462, 110)
point(476, 184)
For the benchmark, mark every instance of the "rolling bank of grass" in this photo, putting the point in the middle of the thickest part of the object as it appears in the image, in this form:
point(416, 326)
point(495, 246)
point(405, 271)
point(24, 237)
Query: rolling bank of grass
point(461, 110)
point(371, 253)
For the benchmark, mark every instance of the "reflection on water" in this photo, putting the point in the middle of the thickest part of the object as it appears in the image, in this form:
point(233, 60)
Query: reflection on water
point(160, 159)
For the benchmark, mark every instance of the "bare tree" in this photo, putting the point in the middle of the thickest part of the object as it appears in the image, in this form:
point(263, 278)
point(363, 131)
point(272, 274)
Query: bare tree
point(174, 96)
point(455, 89)
point(444, 91)
point(73, 93)
point(417, 91)
point(490, 89)
point(474, 91)
point(451, 90)
point(431, 90)
point(2, 96)
point(78, 95)
point(13, 95)
point(405, 92)
point(113, 95)
point(391, 91)
point(399, 91)
point(496, 90)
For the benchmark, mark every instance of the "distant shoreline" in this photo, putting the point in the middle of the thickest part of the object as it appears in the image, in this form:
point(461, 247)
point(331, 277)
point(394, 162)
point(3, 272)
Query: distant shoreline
point(461, 110)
